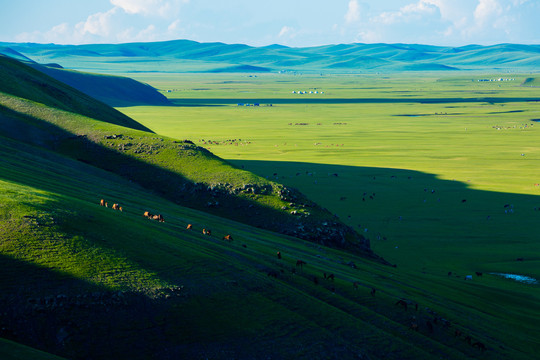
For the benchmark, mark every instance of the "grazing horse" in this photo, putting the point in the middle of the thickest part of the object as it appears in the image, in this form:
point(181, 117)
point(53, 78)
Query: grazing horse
point(148, 215)
point(402, 303)
point(206, 232)
point(300, 263)
point(331, 277)
point(373, 290)
point(228, 238)
point(279, 255)
point(273, 273)
point(158, 218)
point(480, 345)
point(116, 207)
point(478, 273)
point(189, 227)
point(102, 202)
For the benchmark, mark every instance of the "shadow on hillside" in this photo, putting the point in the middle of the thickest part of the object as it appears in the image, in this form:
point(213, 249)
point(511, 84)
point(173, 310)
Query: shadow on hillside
point(64, 315)
point(415, 208)
point(125, 158)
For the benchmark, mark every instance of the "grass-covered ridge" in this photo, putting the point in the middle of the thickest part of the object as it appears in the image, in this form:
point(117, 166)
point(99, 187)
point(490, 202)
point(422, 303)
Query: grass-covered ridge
point(178, 170)
point(85, 281)
point(184, 56)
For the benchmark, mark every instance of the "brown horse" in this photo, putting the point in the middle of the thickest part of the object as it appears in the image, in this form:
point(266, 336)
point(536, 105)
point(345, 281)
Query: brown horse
point(228, 238)
point(279, 255)
point(300, 263)
point(189, 227)
point(102, 202)
point(158, 218)
point(206, 232)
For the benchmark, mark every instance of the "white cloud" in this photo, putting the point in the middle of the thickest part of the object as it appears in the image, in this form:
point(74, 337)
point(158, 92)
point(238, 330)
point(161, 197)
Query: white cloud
point(100, 24)
point(160, 8)
point(353, 12)
point(285, 30)
point(486, 10)
point(174, 25)
point(407, 13)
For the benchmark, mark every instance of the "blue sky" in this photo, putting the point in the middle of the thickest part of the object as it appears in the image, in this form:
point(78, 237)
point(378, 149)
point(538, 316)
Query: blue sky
point(288, 22)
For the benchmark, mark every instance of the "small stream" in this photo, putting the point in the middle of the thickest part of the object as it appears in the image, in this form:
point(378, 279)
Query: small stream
point(520, 278)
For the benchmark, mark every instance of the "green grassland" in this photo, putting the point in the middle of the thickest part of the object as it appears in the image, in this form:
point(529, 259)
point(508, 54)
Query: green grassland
point(422, 144)
point(83, 281)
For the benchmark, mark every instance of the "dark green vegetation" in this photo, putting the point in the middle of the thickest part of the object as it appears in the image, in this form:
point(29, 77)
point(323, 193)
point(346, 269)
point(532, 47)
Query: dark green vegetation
point(81, 280)
point(191, 56)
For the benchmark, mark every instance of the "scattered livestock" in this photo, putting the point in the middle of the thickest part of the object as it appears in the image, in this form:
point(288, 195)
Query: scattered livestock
point(279, 255)
point(189, 227)
point(206, 232)
point(228, 238)
point(478, 273)
point(300, 263)
point(115, 206)
point(150, 216)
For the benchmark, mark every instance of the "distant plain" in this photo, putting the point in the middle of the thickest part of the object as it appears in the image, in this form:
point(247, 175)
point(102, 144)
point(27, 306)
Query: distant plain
point(420, 159)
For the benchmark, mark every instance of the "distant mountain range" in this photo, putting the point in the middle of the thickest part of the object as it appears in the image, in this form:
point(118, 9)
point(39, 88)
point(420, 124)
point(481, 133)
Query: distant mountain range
point(191, 56)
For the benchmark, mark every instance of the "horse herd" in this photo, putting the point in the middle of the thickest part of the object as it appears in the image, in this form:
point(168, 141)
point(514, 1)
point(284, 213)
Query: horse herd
point(331, 277)
point(160, 218)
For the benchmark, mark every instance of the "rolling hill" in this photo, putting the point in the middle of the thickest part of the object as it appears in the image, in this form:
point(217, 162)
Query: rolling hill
point(191, 56)
point(80, 280)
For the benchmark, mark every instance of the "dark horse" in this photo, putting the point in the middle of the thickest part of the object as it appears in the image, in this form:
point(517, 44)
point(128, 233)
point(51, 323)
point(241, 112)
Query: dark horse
point(402, 303)
point(300, 263)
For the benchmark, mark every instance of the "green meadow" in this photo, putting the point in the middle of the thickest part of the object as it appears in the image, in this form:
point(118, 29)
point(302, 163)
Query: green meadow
point(439, 171)
point(443, 155)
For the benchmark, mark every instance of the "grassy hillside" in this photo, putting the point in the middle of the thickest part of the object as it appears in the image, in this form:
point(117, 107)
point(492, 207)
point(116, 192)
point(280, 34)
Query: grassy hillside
point(407, 151)
point(82, 280)
point(184, 56)
point(73, 271)
point(178, 170)
point(22, 81)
